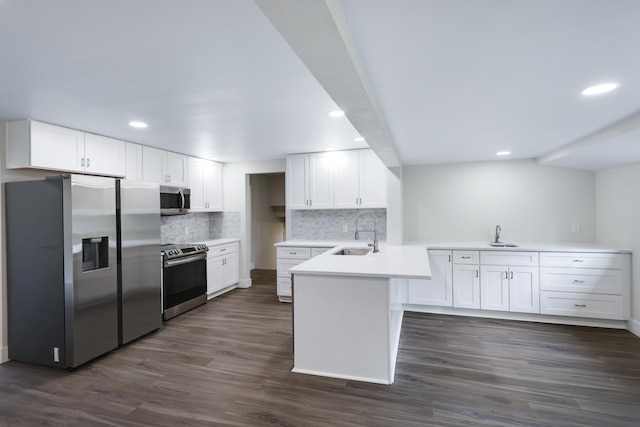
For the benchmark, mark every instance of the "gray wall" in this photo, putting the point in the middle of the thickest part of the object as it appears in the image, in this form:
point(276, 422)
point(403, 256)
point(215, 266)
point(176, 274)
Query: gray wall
point(465, 201)
point(618, 222)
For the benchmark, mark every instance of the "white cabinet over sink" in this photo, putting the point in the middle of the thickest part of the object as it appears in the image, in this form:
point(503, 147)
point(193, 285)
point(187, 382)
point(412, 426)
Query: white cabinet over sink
point(336, 180)
point(36, 145)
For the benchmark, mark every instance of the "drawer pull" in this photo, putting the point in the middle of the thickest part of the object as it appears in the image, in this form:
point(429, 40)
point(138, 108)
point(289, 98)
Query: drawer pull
point(580, 305)
point(578, 260)
point(579, 281)
point(466, 257)
point(223, 249)
point(292, 253)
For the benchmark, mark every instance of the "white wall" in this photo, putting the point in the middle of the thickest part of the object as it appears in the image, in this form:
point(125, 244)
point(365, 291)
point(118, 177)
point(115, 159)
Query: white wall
point(236, 193)
point(465, 201)
point(618, 222)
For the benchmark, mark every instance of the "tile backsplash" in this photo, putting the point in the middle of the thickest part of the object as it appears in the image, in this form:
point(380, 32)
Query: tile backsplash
point(328, 224)
point(198, 227)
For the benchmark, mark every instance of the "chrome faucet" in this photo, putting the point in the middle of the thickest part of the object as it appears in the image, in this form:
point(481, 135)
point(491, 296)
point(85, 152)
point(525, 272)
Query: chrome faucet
point(498, 230)
point(375, 233)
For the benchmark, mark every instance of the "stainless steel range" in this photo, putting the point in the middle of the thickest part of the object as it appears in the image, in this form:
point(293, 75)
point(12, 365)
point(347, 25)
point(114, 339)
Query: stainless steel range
point(184, 278)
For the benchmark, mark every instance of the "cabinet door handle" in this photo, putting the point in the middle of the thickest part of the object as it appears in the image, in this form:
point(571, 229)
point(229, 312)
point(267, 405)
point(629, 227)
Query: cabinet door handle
point(82, 161)
point(88, 162)
point(477, 273)
point(578, 281)
point(506, 275)
point(580, 305)
point(511, 277)
point(449, 258)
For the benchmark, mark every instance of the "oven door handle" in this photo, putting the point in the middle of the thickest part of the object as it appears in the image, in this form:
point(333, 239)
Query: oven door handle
point(185, 260)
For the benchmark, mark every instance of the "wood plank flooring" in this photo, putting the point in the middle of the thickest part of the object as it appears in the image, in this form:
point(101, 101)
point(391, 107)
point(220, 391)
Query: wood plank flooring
point(228, 363)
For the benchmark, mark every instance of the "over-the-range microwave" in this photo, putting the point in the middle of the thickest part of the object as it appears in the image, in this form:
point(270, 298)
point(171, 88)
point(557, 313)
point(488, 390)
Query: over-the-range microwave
point(174, 200)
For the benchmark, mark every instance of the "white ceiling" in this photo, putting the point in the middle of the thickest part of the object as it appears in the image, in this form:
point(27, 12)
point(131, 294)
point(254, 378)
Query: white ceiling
point(426, 81)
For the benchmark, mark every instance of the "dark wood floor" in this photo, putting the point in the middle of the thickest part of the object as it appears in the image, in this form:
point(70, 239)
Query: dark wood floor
point(228, 363)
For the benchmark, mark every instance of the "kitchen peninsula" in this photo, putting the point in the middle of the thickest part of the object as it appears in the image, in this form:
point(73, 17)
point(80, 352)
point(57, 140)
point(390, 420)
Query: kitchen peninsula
point(348, 311)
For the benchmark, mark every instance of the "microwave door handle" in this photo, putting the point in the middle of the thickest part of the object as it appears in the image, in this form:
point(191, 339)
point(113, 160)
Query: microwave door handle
point(182, 198)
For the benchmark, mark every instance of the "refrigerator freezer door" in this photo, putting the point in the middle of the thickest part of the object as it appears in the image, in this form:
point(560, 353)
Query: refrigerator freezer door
point(91, 293)
point(140, 267)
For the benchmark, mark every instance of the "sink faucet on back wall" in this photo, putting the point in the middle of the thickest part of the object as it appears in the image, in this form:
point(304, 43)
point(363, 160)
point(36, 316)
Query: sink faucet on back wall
point(498, 230)
point(374, 230)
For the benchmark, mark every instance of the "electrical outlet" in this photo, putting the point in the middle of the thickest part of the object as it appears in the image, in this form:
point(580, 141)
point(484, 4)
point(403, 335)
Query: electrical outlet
point(345, 228)
point(575, 227)
point(186, 230)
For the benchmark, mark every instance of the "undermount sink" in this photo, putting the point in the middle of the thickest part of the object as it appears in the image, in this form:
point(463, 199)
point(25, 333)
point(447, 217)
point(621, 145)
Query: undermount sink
point(353, 251)
point(503, 245)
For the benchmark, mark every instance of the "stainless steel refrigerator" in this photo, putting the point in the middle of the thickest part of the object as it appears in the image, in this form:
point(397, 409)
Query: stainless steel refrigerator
point(139, 261)
point(64, 305)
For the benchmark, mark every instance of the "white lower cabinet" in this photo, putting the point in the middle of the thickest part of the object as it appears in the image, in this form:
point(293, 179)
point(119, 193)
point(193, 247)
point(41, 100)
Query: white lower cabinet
point(466, 279)
point(223, 268)
point(594, 285)
point(288, 257)
point(466, 286)
point(439, 290)
point(510, 288)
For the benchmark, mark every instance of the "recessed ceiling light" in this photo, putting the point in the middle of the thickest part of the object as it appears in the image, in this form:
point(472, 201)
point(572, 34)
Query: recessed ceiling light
point(601, 88)
point(358, 139)
point(503, 153)
point(139, 125)
point(336, 113)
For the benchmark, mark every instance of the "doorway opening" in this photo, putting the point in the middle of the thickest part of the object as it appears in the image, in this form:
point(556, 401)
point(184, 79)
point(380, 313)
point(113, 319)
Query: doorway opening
point(267, 219)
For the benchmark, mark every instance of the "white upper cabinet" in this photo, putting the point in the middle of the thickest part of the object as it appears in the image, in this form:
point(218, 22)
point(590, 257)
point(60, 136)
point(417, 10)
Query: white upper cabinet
point(104, 156)
point(297, 181)
point(205, 182)
point(346, 193)
point(134, 161)
point(320, 181)
point(164, 167)
point(336, 180)
point(32, 144)
point(373, 180)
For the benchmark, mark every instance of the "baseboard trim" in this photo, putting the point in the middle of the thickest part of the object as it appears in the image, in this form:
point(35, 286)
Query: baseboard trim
point(633, 326)
point(525, 317)
point(244, 283)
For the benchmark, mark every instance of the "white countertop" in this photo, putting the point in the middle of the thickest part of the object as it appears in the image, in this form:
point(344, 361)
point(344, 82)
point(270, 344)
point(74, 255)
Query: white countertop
point(407, 261)
point(216, 242)
point(524, 246)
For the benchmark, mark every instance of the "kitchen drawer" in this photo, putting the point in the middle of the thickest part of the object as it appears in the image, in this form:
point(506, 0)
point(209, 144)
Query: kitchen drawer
point(284, 265)
point(222, 249)
point(509, 258)
point(582, 305)
point(294, 252)
point(318, 251)
point(284, 287)
point(466, 257)
point(582, 260)
point(592, 280)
